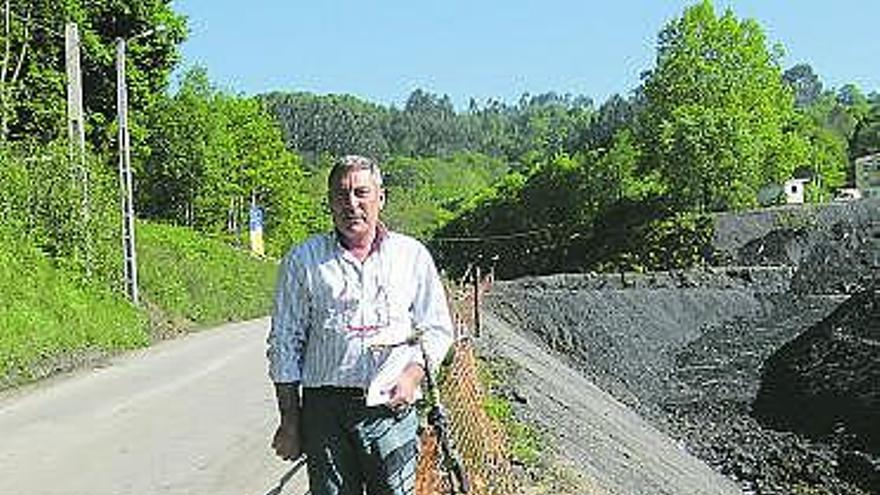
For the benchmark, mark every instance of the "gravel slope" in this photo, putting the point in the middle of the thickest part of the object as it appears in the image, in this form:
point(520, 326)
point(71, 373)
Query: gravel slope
point(686, 350)
point(597, 434)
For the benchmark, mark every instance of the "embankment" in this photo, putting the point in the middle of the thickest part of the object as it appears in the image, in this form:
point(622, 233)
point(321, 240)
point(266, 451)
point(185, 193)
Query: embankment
point(687, 350)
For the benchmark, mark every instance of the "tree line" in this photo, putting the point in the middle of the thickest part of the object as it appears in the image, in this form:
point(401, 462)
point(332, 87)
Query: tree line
point(711, 124)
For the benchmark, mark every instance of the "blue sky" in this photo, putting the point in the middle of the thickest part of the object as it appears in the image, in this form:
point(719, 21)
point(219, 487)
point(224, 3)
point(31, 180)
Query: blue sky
point(382, 50)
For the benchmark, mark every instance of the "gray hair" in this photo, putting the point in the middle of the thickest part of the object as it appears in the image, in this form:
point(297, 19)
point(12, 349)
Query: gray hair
point(350, 163)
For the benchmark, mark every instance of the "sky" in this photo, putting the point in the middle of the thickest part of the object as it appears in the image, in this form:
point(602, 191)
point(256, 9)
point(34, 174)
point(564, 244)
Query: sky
point(382, 50)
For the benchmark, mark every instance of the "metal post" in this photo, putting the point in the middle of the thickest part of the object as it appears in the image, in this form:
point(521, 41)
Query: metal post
point(125, 182)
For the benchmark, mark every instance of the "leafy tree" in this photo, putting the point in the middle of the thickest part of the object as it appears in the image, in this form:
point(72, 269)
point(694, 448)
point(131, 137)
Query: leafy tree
point(805, 83)
point(211, 154)
point(716, 124)
point(830, 113)
point(491, 128)
point(425, 193)
point(617, 113)
point(427, 126)
point(827, 162)
point(32, 77)
point(866, 134)
point(844, 127)
point(548, 125)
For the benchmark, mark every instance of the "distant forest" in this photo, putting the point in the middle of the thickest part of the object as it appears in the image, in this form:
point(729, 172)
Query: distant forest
point(550, 182)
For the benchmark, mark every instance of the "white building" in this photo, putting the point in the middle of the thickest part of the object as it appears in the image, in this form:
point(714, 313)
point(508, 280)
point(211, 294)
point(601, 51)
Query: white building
point(794, 190)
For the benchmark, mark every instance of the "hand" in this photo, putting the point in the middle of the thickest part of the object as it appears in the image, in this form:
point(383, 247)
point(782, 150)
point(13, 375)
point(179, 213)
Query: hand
point(403, 393)
point(287, 441)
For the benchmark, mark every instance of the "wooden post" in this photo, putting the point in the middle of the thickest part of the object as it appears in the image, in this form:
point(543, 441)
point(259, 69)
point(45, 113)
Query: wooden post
point(477, 324)
point(75, 128)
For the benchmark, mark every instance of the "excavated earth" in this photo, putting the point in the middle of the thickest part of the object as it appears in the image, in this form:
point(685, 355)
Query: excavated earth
point(766, 366)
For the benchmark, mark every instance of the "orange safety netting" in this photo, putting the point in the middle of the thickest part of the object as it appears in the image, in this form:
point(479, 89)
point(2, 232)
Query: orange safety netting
point(480, 440)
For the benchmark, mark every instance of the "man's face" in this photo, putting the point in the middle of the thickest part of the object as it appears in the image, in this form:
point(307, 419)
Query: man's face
point(355, 200)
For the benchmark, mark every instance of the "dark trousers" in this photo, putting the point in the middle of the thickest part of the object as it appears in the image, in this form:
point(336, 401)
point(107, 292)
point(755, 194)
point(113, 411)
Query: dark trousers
point(351, 447)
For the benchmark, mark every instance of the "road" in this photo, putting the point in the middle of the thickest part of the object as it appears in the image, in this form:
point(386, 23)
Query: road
point(187, 416)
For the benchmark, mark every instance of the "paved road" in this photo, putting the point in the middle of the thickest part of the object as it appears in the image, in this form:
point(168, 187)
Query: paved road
point(188, 416)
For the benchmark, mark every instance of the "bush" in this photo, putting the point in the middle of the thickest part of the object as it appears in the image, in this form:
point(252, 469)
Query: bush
point(44, 200)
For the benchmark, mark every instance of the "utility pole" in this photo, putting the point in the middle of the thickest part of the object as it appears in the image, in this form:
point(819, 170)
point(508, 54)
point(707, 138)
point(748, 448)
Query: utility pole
point(75, 127)
point(77, 134)
point(125, 182)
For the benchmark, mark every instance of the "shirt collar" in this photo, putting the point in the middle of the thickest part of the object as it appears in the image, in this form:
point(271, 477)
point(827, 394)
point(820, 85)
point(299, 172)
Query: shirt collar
point(381, 235)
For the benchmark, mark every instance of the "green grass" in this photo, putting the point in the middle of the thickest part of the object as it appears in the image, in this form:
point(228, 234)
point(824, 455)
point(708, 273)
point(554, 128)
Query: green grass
point(49, 319)
point(201, 280)
point(525, 442)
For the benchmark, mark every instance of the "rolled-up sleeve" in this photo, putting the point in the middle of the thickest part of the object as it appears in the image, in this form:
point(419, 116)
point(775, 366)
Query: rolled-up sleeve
point(431, 310)
point(290, 316)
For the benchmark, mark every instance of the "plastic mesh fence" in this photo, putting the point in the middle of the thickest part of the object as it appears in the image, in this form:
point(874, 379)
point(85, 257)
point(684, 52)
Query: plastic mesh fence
point(480, 440)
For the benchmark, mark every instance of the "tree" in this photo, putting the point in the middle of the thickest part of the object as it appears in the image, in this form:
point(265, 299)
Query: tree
point(866, 135)
point(717, 116)
point(425, 193)
point(314, 125)
point(211, 154)
point(805, 83)
point(427, 126)
point(615, 114)
point(32, 86)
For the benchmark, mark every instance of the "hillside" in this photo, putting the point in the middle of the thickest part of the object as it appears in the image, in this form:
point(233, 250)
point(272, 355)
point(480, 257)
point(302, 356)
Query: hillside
point(54, 320)
point(687, 350)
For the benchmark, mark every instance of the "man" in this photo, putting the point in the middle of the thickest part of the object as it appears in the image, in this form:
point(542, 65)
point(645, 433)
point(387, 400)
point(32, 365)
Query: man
point(344, 303)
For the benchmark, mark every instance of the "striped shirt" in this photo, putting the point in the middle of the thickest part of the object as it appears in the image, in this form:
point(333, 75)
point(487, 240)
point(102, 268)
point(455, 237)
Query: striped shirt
point(333, 312)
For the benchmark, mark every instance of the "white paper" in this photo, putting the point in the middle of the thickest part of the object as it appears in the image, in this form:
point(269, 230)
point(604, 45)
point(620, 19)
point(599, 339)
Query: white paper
point(379, 391)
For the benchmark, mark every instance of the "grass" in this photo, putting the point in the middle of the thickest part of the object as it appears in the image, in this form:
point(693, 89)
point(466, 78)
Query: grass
point(543, 473)
point(49, 319)
point(525, 443)
point(52, 320)
point(201, 281)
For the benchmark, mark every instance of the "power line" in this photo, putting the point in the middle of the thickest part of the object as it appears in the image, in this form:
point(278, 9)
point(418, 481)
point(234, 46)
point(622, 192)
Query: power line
point(502, 237)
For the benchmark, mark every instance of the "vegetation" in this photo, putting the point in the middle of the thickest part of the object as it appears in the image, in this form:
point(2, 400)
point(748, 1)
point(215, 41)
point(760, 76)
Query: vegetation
point(717, 116)
point(525, 443)
point(200, 280)
point(209, 155)
point(60, 280)
point(51, 319)
point(33, 82)
point(547, 183)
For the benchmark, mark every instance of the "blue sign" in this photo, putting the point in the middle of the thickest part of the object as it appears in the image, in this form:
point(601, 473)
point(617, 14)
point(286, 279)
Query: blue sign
point(256, 218)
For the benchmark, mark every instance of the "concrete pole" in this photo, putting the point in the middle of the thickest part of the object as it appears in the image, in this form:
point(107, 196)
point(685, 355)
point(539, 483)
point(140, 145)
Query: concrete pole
point(77, 134)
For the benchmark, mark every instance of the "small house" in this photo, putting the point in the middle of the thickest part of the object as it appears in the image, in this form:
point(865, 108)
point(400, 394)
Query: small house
point(794, 191)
